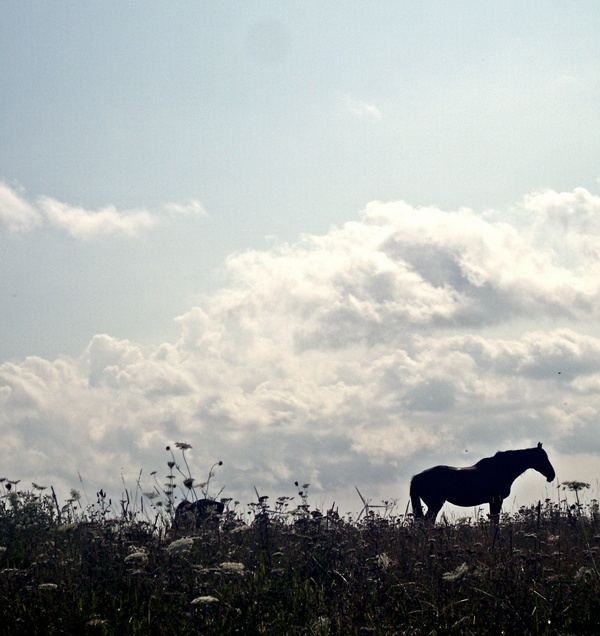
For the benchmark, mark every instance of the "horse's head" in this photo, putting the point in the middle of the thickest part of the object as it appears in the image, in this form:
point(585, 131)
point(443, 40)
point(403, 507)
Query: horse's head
point(541, 463)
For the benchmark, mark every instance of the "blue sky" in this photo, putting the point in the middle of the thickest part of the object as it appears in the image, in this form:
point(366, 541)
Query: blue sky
point(165, 167)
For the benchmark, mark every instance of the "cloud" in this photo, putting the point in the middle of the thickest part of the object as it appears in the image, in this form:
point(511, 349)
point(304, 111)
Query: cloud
point(408, 337)
point(15, 213)
point(192, 208)
point(576, 214)
point(85, 225)
point(363, 110)
point(19, 215)
point(579, 208)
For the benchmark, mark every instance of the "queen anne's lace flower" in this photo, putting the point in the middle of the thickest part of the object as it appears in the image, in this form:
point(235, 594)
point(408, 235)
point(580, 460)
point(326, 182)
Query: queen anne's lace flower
point(205, 600)
point(181, 545)
point(137, 558)
point(232, 567)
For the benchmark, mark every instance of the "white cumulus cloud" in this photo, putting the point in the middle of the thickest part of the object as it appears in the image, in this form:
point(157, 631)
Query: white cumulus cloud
point(15, 212)
point(86, 225)
point(408, 337)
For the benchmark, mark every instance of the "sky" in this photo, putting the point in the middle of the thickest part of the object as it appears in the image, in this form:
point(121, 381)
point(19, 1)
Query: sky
point(333, 243)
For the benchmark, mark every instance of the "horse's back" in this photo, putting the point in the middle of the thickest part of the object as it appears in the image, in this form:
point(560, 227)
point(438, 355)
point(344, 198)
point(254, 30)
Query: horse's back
point(431, 477)
point(462, 486)
point(434, 472)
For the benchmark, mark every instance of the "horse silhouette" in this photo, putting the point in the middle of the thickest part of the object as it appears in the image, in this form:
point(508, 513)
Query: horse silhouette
point(488, 481)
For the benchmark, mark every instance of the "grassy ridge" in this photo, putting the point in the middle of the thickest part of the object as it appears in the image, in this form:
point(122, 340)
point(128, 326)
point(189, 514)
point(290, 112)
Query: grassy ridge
point(79, 570)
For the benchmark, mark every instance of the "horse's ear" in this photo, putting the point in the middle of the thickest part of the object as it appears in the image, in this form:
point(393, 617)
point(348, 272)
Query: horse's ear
point(539, 444)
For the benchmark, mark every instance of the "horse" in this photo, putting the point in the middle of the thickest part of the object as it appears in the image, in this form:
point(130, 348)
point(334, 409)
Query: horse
point(200, 510)
point(488, 481)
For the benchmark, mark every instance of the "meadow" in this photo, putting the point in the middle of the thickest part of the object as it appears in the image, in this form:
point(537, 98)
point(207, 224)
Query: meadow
point(280, 566)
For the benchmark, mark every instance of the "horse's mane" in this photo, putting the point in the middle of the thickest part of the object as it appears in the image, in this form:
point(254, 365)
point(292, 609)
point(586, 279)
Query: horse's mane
point(503, 455)
point(514, 451)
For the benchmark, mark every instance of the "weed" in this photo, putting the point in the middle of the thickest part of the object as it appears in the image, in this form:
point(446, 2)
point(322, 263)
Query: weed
point(120, 569)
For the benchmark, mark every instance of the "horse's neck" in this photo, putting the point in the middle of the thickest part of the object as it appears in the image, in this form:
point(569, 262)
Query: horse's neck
point(517, 464)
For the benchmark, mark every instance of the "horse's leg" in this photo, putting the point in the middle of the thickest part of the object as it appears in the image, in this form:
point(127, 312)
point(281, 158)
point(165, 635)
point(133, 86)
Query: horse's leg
point(495, 507)
point(432, 510)
point(415, 497)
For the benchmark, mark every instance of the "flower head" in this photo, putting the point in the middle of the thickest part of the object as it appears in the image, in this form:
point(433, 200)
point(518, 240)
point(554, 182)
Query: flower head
point(205, 600)
point(456, 575)
point(137, 558)
point(232, 567)
point(180, 545)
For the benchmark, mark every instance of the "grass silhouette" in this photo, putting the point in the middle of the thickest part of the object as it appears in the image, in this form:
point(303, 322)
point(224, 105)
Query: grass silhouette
point(126, 568)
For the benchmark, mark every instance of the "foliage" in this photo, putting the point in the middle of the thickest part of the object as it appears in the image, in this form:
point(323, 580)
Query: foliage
point(290, 569)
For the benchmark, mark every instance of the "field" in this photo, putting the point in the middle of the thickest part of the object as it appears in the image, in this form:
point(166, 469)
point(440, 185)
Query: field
point(281, 567)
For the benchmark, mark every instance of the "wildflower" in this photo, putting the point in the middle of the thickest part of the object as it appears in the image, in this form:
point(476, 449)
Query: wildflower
point(205, 600)
point(240, 528)
point(183, 445)
point(47, 586)
point(456, 575)
point(232, 567)
point(321, 625)
point(137, 558)
point(181, 545)
point(574, 486)
point(13, 573)
point(584, 574)
point(383, 561)
point(65, 527)
point(188, 483)
point(2, 549)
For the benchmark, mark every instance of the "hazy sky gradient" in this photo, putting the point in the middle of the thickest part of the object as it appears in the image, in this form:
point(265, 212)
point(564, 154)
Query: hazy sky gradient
point(321, 242)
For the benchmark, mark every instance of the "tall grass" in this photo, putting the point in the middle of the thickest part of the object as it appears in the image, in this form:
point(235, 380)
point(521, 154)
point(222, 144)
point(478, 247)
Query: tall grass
point(125, 567)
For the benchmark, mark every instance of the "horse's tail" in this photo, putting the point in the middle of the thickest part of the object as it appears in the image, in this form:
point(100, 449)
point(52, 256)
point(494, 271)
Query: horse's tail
point(415, 499)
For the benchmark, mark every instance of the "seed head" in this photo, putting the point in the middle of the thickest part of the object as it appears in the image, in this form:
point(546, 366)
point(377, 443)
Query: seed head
point(180, 545)
point(205, 600)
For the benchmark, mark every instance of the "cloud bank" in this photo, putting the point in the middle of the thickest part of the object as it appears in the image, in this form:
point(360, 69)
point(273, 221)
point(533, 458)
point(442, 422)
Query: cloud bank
point(18, 215)
point(409, 337)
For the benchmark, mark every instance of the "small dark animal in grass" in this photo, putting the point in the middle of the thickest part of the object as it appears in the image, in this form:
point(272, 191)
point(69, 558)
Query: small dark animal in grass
point(200, 510)
point(488, 481)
